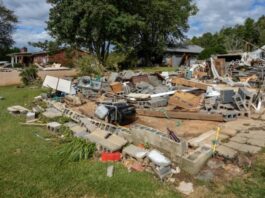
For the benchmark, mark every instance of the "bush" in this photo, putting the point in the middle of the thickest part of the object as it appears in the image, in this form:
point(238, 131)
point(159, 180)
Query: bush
point(114, 61)
point(18, 65)
point(89, 65)
point(29, 75)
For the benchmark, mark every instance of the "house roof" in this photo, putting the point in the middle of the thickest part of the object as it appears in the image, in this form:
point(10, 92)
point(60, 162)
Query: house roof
point(195, 49)
point(39, 53)
point(20, 54)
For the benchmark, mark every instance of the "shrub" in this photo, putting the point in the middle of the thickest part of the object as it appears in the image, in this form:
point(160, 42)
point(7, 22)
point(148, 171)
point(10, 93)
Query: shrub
point(114, 61)
point(89, 65)
point(29, 75)
point(18, 65)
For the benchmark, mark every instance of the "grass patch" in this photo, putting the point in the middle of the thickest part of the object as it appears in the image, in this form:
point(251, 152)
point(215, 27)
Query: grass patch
point(29, 166)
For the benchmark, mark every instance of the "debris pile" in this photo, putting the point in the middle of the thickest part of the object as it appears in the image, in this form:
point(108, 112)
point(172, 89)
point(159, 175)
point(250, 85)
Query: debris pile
point(114, 102)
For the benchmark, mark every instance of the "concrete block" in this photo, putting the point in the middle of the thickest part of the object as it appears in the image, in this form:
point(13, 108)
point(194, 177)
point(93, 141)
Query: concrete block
point(227, 96)
point(54, 126)
point(142, 134)
point(30, 116)
point(78, 129)
point(193, 162)
point(135, 152)
point(158, 158)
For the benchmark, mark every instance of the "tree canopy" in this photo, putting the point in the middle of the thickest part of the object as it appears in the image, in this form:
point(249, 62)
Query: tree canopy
point(232, 38)
point(139, 27)
point(7, 22)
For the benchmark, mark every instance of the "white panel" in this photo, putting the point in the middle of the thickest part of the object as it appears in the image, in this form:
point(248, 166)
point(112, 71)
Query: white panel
point(50, 82)
point(64, 86)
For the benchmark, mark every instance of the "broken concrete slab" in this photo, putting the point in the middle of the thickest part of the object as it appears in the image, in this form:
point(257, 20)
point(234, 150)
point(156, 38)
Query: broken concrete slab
point(256, 142)
point(229, 131)
point(78, 129)
point(17, 109)
point(239, 139)
point(253, 135)
point(245, 148)
point(185, 188)
point(226, 152)
point(52, 113)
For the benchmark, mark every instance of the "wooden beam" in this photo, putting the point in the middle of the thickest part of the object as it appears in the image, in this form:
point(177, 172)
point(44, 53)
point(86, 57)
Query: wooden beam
point(181, 115)
point(189, 83)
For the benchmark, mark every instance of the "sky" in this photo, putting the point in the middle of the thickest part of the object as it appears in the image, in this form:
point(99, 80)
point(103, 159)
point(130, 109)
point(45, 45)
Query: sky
point(211, 17)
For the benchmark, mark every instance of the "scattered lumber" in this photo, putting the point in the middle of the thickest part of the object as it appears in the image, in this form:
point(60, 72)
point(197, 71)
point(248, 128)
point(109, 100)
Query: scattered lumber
point(186, 100)
point(189, 83)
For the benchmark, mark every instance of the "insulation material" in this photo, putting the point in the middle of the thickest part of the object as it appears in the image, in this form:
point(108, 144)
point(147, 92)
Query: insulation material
point(64, 86)
point(59, 84)
point(50, 82)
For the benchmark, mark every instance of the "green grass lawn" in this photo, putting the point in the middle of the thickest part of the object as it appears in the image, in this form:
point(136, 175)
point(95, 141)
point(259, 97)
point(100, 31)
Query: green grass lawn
point(29, 166)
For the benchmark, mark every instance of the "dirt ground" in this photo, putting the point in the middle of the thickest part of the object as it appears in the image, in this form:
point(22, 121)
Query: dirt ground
point(13, 78)
point(182, 128)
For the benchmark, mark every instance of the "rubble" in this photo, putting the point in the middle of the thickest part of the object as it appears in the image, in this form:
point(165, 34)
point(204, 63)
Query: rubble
point(185, 188)
point(121, 100)
point(18, 110)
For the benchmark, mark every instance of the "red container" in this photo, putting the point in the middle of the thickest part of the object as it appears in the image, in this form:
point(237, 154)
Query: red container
point(110, 156)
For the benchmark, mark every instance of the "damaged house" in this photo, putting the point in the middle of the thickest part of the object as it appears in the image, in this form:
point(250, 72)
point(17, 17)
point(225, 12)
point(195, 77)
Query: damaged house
point(183, 55)
point(63, 56)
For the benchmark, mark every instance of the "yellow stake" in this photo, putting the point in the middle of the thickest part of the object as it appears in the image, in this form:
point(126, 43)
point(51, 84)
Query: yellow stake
point(216, 139)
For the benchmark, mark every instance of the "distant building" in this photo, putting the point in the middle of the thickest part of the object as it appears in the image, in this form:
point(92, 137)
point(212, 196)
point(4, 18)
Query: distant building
point(62, 56)
point(184, 55)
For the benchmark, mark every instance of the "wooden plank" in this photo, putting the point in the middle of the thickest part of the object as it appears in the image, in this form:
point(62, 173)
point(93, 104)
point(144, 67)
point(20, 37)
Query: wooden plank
point(186, 100)
point(189, 83)
point(181, 115)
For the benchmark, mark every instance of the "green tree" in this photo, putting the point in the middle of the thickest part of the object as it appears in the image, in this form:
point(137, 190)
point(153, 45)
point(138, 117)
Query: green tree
point(261, 29)
point(233, 38)
point(159, 23)
point(49, 46)
point(140, 27)
point(7, 23)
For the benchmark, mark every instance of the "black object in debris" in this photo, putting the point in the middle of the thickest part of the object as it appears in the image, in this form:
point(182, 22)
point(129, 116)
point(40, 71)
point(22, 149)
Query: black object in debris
point(172, 135)
point(121, 113)
point(227, 96)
